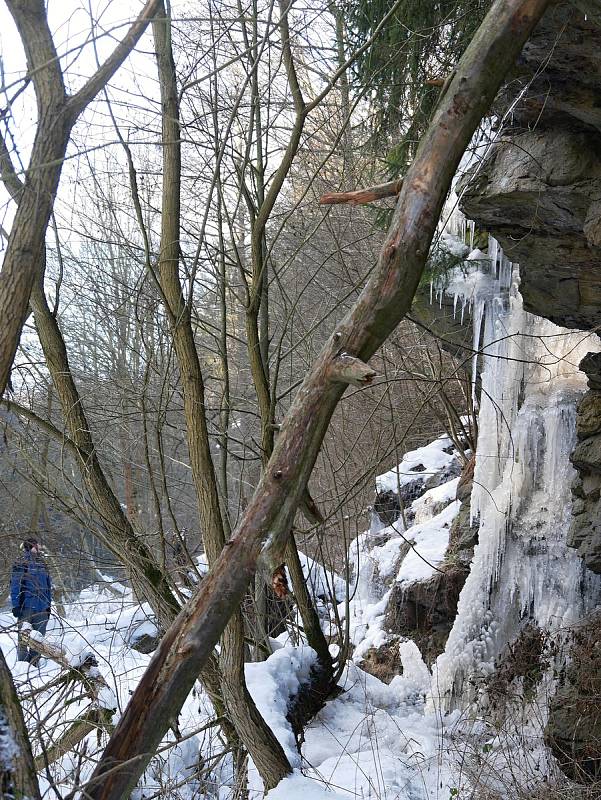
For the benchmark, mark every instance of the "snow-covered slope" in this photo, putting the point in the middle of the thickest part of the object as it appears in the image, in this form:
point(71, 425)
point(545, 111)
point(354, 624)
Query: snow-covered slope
point(385, 556)
point(372, 739)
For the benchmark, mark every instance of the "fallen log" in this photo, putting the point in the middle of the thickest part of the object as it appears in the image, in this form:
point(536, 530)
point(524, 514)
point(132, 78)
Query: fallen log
point(83, 668)
point(94, 719)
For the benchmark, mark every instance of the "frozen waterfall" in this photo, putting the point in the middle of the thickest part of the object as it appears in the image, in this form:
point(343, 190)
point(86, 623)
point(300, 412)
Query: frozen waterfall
point(522, 570)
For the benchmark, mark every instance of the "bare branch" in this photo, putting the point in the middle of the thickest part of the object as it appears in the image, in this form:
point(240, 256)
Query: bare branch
point(362, 196)
point(105, 72)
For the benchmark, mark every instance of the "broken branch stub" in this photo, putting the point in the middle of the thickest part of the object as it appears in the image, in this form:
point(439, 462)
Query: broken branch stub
point(362, 196)
point(346, 368)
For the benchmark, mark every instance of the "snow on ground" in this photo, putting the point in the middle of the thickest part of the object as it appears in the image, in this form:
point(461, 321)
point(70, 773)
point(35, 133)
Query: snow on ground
point(431, 540)
point(423, 462)
point(401, 556)
point(372, 740)
point(430, 503)
point(273, 682)
point(101, 622)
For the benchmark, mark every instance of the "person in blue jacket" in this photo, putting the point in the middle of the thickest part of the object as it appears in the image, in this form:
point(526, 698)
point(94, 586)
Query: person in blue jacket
point(31, 595)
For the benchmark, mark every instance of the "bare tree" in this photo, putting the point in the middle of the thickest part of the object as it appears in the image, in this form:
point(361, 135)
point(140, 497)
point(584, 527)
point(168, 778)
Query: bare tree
point(57, 114)
point(267, 753)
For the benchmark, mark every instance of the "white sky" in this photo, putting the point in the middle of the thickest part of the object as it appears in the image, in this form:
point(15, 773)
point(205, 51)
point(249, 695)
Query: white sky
point(73, 28)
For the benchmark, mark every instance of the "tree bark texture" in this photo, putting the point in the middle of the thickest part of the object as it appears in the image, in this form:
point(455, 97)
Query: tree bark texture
point(384, 301)
point(18, 779)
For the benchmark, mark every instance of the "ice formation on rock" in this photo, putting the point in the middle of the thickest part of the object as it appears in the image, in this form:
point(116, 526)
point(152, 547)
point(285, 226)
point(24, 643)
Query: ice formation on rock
point(522, 570)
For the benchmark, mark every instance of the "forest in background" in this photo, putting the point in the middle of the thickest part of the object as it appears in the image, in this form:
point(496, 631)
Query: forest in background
point(106, 300)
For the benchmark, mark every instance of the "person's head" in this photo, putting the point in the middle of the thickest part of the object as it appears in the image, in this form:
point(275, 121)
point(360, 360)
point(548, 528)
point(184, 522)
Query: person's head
point(30, 545)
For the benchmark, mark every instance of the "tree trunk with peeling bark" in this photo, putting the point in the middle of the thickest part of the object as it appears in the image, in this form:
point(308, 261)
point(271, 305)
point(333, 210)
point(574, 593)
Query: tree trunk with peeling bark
point(383, 303)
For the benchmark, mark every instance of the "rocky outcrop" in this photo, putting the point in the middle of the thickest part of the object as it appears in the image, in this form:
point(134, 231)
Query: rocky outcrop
point(573, 729)
point(539, 191)
point(389, 505)
point(585, 529)
point(425, 610)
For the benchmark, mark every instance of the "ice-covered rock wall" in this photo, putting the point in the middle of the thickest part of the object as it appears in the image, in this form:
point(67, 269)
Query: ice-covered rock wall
point(537, 191)
point(523, 573)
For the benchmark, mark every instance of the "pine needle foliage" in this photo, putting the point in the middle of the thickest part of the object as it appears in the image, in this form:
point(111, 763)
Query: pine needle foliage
point(424, 39)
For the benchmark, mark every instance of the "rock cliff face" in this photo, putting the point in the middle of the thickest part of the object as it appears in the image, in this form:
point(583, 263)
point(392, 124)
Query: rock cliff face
point(539, 194)
point(585, 530)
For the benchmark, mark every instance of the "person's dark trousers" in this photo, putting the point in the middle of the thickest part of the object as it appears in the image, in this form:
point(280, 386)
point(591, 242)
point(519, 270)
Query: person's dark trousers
point(38, 621)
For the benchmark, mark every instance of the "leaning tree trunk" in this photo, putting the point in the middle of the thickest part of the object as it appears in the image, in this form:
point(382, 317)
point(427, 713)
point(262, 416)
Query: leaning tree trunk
point(119, 535)
point(22, 276)
point(34, 196)
point(383, 303)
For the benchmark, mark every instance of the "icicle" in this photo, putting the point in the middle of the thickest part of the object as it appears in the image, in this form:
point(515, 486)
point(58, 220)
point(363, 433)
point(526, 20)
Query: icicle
point(477, 320)
point(472, 230)
point(521, 566)
point(505, 276)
